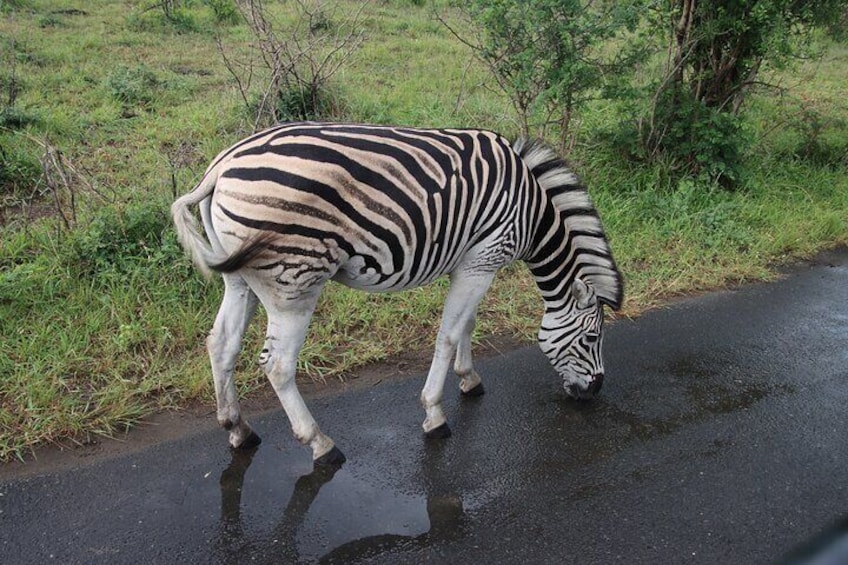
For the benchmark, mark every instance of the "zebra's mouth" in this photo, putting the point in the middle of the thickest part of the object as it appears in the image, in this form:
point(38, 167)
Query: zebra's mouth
point(587, 392)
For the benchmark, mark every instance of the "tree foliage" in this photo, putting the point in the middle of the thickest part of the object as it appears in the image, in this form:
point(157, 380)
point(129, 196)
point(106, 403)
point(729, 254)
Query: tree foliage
point(716, 50)
point(550, 56)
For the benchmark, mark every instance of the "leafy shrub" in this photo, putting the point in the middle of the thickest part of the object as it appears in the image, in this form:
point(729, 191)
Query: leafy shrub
point(19, 170)
point(816, 145)
point(716, 51)
point(50, 20)
point(133, 86)
point(225, 11)
point(684, 138)
point(183, 21)
point(550, 57)
point(164, 15)
point(12, 118)
point(302, 103)
point(699, 140)
point(121, 241)
point(9, 5)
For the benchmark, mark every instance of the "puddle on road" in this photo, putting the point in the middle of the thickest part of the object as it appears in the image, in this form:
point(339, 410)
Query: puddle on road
point(682, 391)
point(724, 386)
point(332, 516)
point(701, 387)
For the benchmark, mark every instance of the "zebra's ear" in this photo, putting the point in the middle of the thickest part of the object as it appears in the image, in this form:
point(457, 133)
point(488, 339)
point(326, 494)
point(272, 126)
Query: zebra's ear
point(583, 294)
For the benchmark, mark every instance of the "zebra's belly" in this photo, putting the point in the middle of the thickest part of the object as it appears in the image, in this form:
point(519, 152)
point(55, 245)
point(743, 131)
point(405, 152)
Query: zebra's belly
point(355, 274)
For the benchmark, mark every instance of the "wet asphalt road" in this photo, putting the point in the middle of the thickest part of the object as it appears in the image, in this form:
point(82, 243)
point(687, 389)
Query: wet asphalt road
point(720, 437)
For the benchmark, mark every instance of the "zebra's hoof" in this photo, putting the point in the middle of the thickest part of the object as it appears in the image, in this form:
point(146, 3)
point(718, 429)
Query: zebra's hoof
point(478, 390)
point(251, 441)
point(440, 432)
point(334, 457)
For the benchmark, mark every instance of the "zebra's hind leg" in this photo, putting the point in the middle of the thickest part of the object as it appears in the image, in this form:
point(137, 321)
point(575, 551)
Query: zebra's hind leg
point(288, 321)
point(466, 291)
point(470, 383)
point(224, 345)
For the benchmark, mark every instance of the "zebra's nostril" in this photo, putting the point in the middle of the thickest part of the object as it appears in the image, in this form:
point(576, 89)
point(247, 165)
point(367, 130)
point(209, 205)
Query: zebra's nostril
point(596, 384)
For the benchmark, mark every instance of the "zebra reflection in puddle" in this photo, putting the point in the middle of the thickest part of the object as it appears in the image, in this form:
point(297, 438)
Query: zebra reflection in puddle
point(334, 517)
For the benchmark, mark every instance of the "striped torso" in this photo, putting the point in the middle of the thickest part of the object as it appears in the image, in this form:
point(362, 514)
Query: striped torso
point(376, 208)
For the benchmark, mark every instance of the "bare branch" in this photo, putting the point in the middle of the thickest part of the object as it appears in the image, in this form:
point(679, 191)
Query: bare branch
point(243, 87)
point(300, 57)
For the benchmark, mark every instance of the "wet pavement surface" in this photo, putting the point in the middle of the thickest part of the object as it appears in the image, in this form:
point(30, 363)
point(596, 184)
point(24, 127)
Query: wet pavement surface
point(720, 437)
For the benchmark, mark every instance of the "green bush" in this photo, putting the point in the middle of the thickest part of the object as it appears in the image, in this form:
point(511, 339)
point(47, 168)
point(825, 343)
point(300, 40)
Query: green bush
point(13, 118)
point(684, 138)
point(225, 11)
point(122, 241)
point(20, 170)
point(717, 52)
point(551, 57)
point(50, 20)
point(819, 142)
point(183, 21)
point(9, 5)
point(302, 103)
point(698, 140)
point(133, 86)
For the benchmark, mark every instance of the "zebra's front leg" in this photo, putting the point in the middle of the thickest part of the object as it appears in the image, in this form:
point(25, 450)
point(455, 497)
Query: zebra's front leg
point(435, 424)
point(224, 345)
point(470, 383)
point(466, 292)
point(287, 325)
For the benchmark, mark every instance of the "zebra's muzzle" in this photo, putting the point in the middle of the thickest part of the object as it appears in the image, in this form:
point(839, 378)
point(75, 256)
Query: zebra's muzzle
point(587, 393)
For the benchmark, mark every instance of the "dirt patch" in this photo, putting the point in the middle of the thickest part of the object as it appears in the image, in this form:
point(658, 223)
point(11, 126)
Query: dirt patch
point(197, 418)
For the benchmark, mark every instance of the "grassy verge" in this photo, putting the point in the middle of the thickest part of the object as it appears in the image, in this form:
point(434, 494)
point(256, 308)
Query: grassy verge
point(105, 322)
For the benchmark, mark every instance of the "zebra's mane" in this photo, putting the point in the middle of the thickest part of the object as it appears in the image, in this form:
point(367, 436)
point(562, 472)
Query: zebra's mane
point(567, 192)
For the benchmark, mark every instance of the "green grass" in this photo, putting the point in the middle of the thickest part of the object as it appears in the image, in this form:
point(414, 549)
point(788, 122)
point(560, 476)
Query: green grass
point(106, 323)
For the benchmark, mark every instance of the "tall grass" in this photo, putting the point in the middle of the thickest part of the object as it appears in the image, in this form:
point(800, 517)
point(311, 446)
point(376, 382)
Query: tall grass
point(105, 323)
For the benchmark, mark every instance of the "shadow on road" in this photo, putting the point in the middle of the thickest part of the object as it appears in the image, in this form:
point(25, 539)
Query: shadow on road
point(445, 516)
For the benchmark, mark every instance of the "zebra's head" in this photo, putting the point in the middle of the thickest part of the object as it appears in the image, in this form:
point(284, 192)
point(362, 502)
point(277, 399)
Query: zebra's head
point(572, 336)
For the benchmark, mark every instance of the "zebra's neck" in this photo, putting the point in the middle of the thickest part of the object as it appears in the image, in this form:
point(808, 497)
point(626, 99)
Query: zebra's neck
point(569, 241)
point(570, 244)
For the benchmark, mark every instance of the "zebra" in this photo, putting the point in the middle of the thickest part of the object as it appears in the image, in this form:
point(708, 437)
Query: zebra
point(382, 208)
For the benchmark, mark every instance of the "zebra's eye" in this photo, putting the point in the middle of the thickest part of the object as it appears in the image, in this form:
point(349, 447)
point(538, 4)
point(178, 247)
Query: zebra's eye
point(592, 338)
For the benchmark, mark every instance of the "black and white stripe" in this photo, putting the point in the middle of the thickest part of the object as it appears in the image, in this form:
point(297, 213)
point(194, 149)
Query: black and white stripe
point(402, 205)
point(408, 203)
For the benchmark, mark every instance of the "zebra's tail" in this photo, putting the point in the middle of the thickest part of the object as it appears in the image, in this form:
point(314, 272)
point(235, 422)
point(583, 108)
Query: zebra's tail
point(201, 251)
